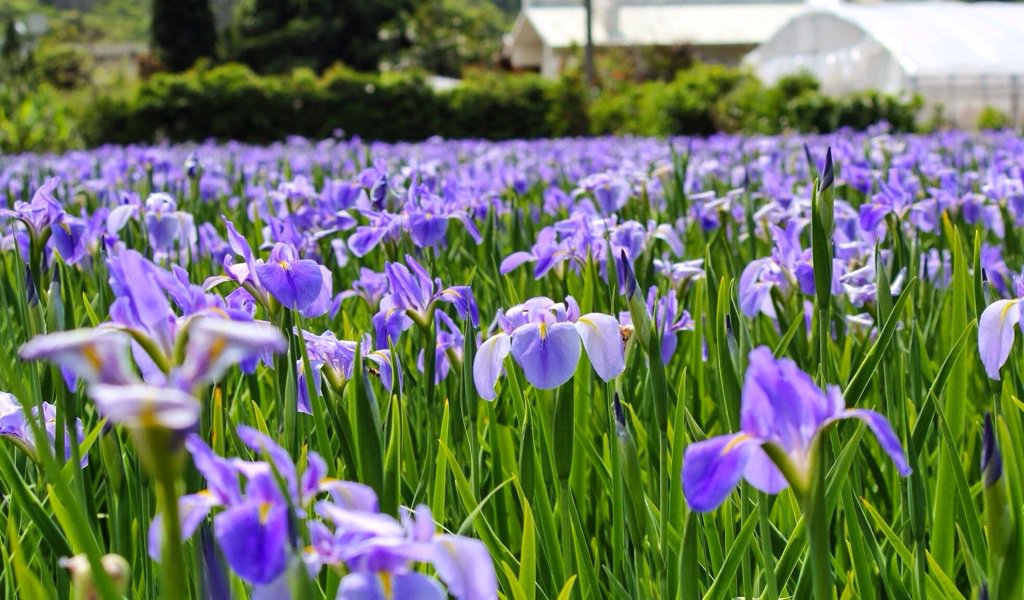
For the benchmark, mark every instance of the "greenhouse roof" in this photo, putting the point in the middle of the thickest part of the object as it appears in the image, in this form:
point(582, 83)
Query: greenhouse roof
point(661, 24)
point(931, 38)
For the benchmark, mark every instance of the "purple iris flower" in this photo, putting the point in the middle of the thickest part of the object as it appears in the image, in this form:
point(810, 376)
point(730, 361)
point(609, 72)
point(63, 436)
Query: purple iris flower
point(544, 338)
point(412, 296)
point(15, 427)
point(295, 283)
point(378, 550)
point(547, 253)
point(611, 191)
point(252, 530)
point(789, 268)
point(680, 272)
point(424, 216)
point(665, 310)
point(370, 286)
point(140, 406)
point(337, 358)
point(100, 357)
point(449, 339)
point(216, 344)
point(40, 212)
point(70, 235)
point(166, 224)
point(96, 356)
point(781, 407)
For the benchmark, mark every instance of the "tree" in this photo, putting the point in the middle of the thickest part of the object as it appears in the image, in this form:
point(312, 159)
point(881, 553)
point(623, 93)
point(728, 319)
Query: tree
point(183, 31)
point(278, 35)
point(12, 42)
point(447, 35)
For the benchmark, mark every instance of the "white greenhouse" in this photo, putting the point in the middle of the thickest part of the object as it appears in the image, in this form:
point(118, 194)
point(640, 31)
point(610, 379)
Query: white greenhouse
point(959, 57)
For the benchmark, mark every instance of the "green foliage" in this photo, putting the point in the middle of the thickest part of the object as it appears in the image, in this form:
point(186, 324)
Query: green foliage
point(232, 102)
point(993, 118)
point(708, 98)
point(64, 66)
point(274, 36)
point(445, 36)
point(183, 32)
point(500, 108)
point(36, 121)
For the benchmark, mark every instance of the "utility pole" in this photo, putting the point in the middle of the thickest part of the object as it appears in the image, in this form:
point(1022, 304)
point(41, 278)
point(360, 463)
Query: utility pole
point(588, 51)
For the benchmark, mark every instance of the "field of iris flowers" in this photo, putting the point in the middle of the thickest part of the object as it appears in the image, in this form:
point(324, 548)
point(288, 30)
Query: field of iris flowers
point(594, 368)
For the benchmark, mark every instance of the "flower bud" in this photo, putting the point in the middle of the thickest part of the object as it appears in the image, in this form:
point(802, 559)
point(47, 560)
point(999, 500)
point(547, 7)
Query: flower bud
point(82, 583)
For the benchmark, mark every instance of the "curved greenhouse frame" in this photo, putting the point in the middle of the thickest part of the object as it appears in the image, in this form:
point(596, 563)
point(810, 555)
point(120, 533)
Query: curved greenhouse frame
point(960, 57)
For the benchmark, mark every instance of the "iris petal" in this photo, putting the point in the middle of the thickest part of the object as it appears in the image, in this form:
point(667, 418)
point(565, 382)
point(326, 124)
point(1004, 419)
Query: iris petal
point(295, 284)
point(488, 364)
point(253, 537)
point(762, 473)
point(712, 469)
point(886, 437)
point(996, 333)
point(547, 353)
point(603, 343)
point(465, 565)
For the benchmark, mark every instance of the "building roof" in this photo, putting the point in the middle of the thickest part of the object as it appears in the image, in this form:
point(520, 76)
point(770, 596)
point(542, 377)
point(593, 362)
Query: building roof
point(659, 24)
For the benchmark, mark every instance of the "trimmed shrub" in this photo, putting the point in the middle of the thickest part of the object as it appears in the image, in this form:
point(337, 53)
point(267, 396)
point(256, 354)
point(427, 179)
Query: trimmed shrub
point(232, 102)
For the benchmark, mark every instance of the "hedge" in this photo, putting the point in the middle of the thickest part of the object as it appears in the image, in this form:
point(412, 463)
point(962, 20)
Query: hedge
point(231, 102)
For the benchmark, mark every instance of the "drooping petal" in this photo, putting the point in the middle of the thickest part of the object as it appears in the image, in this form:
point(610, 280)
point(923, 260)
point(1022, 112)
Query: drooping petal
point(488, 363)
point(514, 261)
point(386, 586)
point(253, 537)
point(427, 229)
point(295, 284)
point(465, 565)
point(221, 476)
point(351, 495)
point(547, 353)
point(322, 303)
point(886, 437)
point(996, 333)
point(216, 344)
point(603, 342)
point(762, 473)
point(144, 406)
point(712, 469)
point(192, 509)
point(93, 355)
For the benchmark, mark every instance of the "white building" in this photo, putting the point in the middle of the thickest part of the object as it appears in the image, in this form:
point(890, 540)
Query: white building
point(547, 31)
point(964, 57)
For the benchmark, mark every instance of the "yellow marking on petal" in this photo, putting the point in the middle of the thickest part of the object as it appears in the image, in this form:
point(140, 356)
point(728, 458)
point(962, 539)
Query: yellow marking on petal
point(147, 416)
point(1006, 309)
point(265, 512)
point(92, 357)
point(284, 264)
point(217, 348)
point(219, 311)
point(385, 583)
point(587, 321)
point(543, 329)
point(66, 228)
point(736, 441)
point(204, 493)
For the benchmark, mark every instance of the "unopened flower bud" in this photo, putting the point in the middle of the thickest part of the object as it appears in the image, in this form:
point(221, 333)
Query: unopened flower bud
point(83, 585)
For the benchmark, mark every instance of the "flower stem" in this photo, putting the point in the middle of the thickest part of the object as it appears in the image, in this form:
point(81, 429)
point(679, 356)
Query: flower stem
point(173, 552)
point(816, 514)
